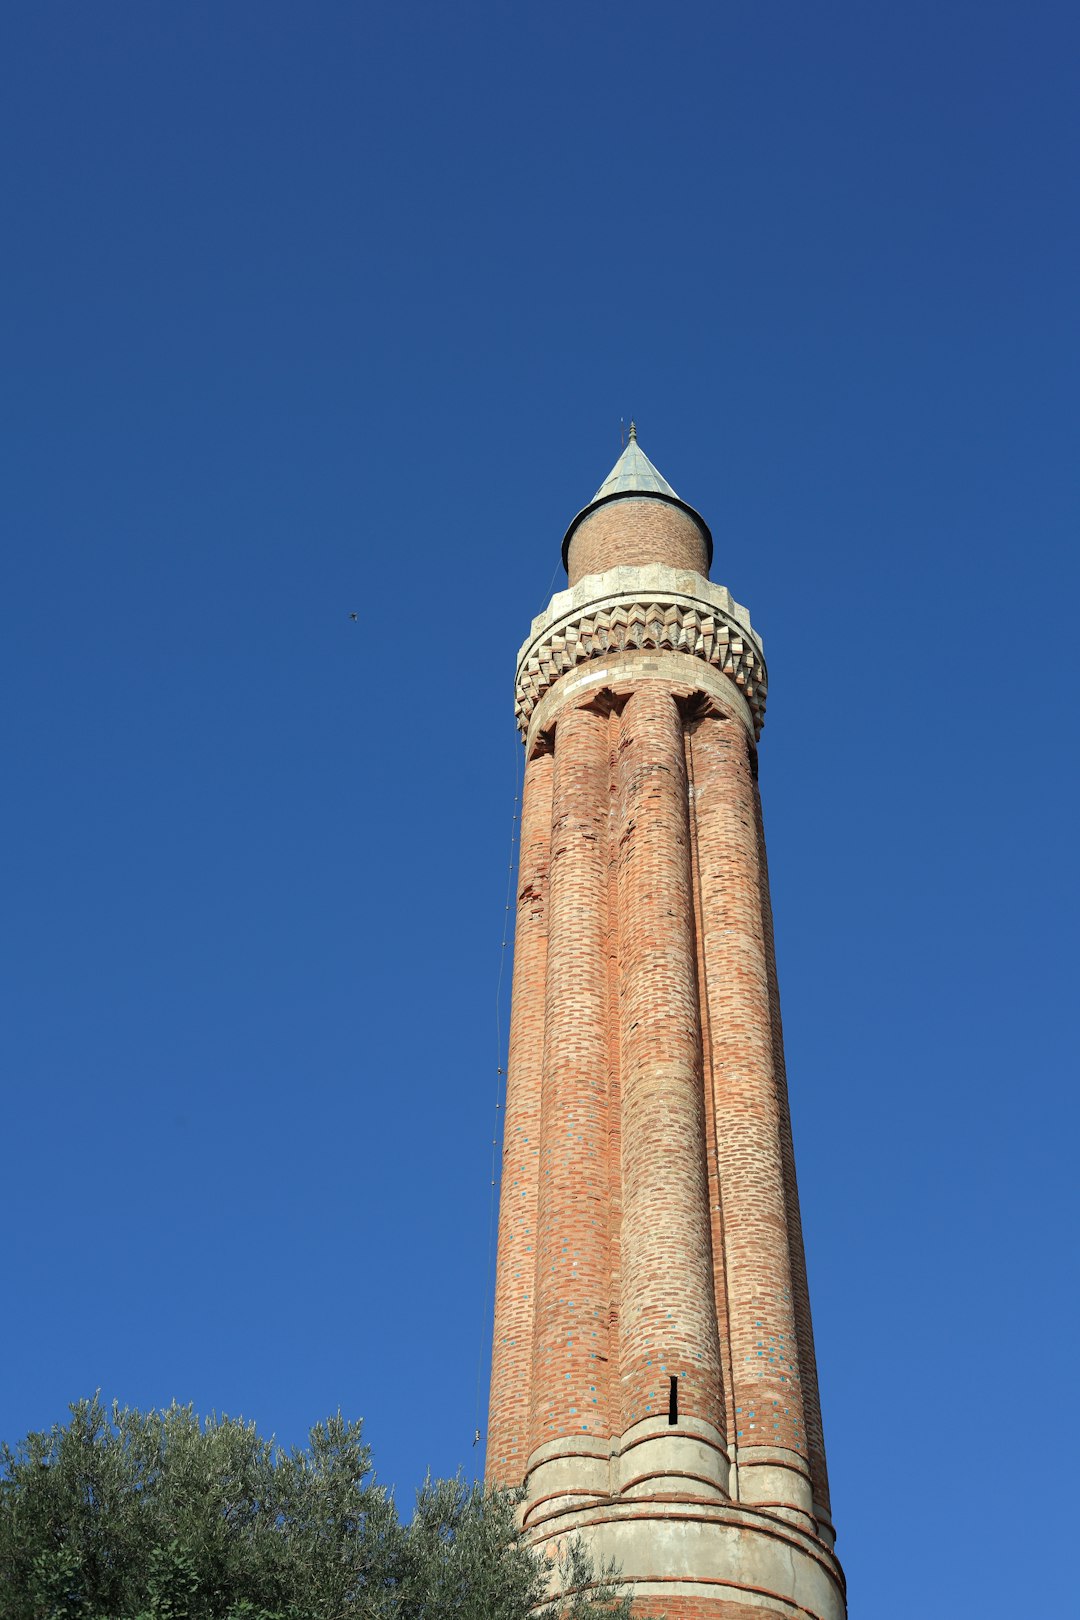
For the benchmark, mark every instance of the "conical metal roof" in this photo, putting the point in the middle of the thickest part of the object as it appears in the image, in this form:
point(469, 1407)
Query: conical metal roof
point(634, 474)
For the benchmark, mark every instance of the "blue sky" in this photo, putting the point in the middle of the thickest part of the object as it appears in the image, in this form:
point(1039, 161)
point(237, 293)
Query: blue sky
point(331, 309)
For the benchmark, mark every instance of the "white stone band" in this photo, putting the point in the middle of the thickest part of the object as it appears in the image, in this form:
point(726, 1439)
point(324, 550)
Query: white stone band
point(641, 609)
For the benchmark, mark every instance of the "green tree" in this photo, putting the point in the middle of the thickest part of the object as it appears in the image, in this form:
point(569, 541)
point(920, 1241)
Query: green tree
point(125, 1515)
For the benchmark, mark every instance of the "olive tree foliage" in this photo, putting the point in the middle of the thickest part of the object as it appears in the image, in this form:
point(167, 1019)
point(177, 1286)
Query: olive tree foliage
point(127, 1515)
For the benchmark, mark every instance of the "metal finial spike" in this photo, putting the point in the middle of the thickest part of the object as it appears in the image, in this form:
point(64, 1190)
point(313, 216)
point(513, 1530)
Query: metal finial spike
point(633, 432)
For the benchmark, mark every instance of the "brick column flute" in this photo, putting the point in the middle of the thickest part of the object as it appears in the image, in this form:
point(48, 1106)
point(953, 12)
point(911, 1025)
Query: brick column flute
point(770, 1421)
point(573, 1284)
point(515, 1280)
point(815, 1439)
point(668, 1319)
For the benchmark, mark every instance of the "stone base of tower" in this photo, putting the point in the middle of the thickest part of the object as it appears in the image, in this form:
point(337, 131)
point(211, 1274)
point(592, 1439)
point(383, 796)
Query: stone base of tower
point(703, 1561)
point(694, 1607)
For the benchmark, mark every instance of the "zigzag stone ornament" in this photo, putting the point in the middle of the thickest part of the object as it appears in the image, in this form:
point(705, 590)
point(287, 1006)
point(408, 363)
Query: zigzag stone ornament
point(652, 608)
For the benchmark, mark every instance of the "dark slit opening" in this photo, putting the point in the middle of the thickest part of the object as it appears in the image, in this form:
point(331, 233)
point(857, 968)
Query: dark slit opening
point(673, 1402)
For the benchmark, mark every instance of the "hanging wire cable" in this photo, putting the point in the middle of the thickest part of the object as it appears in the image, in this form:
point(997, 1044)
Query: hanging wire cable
point(551, 581)
point(500, 1078)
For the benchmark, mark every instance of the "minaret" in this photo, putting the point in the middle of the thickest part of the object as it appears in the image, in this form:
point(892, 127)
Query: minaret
point(653, 1379)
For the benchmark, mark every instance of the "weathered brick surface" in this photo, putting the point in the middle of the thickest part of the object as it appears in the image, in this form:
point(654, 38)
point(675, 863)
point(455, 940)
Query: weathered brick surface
point(712, 1126)
point(766, 1394)
point(804, 1332)
point(629, 531)
point(668, 1318)
point(614, 1149)
point(515, 1282)
point(571, 1359)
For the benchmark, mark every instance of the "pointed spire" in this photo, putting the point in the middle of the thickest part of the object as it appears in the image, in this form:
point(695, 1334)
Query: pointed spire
point(634, 474)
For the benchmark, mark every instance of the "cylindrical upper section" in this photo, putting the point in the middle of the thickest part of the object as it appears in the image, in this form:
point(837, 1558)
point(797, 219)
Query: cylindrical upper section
point(636, 518)
point(634, 530)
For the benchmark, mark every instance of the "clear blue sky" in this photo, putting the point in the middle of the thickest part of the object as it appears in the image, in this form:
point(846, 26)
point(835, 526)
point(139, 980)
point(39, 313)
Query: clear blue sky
point(330, 308)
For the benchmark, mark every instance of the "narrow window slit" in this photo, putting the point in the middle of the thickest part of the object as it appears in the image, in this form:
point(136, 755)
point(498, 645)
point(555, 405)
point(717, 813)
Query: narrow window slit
point(673, 1401)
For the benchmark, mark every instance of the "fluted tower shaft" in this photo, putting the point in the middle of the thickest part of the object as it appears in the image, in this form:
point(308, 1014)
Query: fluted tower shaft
point(653, 1378)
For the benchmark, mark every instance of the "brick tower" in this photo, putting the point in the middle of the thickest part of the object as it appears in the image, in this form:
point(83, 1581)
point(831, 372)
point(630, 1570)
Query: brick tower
point(653, 1380)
